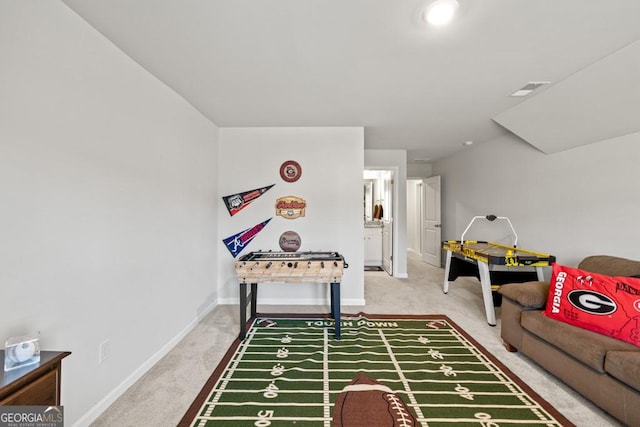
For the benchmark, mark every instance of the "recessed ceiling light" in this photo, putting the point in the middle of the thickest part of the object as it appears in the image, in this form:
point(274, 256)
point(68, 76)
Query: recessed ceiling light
point(528, 88)
point(467, 143)
point(440, 12)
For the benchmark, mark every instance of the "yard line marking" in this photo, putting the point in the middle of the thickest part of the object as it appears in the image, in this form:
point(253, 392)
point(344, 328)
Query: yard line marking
point(315, 391)
point(241, 418)
point(497, 421)
point(272, 404)
point(325, 380)
point(406, 371)
point(405, 383)
point(414, 362)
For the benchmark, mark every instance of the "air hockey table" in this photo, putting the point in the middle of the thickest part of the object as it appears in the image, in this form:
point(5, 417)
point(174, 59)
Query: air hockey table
point(494, 264)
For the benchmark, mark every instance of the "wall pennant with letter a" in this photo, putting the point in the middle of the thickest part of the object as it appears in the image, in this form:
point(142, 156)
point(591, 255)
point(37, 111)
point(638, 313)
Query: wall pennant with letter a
point(237, 242)
point(236, 202)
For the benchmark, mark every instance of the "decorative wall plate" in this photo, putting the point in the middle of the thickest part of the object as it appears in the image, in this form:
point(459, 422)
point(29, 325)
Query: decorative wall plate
point(290, 171)
point(290, 241)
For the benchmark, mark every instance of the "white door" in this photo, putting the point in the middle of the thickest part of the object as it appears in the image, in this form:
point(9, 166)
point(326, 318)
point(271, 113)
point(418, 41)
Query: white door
point(387, 246)
point(387, 223)
point(431, 226)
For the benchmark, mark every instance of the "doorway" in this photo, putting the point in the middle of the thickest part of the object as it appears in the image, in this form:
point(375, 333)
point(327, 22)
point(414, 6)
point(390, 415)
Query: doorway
point(378, 205)
point(431, 227)
point(424, 230)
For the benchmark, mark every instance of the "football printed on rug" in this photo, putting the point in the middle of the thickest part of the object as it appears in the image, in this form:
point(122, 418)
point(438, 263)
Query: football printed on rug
point(366, 402)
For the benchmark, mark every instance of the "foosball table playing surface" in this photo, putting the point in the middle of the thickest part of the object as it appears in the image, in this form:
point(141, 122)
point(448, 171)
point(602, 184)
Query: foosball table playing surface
point(289, 267)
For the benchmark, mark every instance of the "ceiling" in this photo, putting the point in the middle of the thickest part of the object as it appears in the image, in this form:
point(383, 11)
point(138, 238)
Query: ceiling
point(370, 63)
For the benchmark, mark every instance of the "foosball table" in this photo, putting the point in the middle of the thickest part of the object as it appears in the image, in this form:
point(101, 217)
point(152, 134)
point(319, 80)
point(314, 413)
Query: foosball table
point(289, 267)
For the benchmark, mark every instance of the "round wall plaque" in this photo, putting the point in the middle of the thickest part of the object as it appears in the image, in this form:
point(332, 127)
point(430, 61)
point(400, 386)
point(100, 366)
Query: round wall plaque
point(290, 171)
point(290, 241)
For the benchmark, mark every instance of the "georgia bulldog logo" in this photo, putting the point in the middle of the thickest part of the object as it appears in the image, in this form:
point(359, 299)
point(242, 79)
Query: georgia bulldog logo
point(592, 302)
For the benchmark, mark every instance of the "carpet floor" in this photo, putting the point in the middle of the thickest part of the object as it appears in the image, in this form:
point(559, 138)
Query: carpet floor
point(163, 395)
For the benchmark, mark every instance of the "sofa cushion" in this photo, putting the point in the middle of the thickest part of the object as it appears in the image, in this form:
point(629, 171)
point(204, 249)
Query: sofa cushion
point(610, 265)
point(624, 366)
point(588, 347)
point(531, 295)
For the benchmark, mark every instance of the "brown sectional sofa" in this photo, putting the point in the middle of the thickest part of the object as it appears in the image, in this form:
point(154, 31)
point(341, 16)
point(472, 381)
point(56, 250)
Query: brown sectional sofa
point(603, 369)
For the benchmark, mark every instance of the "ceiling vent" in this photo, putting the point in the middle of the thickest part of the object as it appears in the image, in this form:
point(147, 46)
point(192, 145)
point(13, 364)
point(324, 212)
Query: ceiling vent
point(528, 88)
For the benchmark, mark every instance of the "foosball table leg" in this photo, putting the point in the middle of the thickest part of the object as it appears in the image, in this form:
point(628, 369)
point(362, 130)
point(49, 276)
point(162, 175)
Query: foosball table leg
point(335, 307)
point(243, 310)
point(254, 299)
point(243, 306)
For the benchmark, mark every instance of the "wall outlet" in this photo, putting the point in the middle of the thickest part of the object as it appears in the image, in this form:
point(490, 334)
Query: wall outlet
point(104, 351)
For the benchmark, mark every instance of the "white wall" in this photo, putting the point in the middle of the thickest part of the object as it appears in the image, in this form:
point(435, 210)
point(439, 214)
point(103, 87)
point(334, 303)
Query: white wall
point(574, 203)
point(414, 229)
point(107, 187)
point(419, 170)
point(395, 160)
point(331, 183)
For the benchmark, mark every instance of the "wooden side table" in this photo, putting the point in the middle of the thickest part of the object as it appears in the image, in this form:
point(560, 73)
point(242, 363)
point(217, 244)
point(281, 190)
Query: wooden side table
point(38, 384)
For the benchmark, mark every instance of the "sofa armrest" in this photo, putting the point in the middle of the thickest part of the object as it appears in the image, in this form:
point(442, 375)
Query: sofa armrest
point(530, 295)
point(519, 297)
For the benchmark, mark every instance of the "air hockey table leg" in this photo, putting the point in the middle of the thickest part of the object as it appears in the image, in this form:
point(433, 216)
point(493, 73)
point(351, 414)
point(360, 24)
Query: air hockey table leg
point(447, 269)
point(485, 284)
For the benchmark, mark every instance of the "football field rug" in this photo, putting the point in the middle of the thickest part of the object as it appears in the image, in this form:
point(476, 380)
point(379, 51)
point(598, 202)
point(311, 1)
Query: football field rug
point(387, 370)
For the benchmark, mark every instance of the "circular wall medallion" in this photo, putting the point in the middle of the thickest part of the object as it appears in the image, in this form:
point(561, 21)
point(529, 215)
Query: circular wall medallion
point(290, 171)
point(290, 241)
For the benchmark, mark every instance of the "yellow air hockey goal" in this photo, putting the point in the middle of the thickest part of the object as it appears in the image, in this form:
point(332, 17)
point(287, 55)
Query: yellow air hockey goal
point(494, 264)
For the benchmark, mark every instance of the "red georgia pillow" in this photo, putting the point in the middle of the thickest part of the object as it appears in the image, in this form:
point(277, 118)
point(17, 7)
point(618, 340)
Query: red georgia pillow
point(603, 304)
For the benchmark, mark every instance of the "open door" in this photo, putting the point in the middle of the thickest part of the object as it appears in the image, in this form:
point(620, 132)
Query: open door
point(383, 200)
point(430, 222)
point(387, 246)
point(387, 223)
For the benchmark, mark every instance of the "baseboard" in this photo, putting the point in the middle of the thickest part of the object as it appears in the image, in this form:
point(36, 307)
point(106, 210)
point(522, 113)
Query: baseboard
point(296, 301)
point(93, 413)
